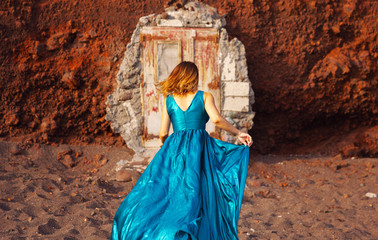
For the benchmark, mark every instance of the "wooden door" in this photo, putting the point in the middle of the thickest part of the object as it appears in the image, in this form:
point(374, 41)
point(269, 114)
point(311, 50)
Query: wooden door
point(162, 49)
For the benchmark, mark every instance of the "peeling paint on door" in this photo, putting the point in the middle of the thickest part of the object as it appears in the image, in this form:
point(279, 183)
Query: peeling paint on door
point(165, 47)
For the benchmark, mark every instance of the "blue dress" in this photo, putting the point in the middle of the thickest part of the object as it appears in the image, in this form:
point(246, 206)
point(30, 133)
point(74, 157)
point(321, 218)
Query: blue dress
point(193, 186)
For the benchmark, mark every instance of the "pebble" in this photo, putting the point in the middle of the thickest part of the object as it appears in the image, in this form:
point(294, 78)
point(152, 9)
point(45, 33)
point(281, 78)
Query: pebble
point(369, 165)
point(371, 195)
point(89, 179)
point(15, 150)
point(253, 183)
point(127, 175)
point(338, 157)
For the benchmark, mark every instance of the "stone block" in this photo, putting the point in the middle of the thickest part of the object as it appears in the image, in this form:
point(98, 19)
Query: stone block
point(125, 95)
point(170, 23)
point(237, 89)
point(238, 104)
point(229, 69)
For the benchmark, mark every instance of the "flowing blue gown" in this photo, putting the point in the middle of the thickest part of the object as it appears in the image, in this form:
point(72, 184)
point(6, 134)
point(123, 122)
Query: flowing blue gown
point(193, 186)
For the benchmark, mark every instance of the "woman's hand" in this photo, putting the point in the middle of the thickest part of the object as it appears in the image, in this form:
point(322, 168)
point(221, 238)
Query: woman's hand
point(221, 122)
point(245, 138)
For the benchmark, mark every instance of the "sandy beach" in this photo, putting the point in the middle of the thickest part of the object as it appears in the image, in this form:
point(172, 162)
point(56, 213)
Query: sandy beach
point(72, 192)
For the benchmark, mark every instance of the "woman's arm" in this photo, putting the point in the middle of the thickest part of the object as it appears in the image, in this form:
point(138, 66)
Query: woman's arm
point(222, 123)
point(165, 124)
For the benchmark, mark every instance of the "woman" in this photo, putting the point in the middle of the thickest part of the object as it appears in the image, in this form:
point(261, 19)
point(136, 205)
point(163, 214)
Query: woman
point(193, 187)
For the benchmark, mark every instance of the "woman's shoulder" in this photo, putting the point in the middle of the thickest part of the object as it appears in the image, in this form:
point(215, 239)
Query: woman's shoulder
point(207, 95)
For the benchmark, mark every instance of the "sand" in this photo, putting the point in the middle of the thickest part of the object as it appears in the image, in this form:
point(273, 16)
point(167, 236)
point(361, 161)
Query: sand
point(72, 192)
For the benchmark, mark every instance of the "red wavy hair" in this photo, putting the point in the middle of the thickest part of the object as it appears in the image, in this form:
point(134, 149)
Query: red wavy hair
point(182, 80)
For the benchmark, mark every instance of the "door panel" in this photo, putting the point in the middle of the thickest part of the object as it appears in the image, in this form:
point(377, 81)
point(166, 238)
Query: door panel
point(162, 49)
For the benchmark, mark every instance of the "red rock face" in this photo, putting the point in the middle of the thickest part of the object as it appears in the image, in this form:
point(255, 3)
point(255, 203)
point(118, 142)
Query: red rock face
point(312, 65)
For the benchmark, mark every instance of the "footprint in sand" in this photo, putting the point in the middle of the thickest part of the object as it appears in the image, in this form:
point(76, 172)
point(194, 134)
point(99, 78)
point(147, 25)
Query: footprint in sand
point(70, 238)
point(49, 227)
point(4, 207)
point(72, 232)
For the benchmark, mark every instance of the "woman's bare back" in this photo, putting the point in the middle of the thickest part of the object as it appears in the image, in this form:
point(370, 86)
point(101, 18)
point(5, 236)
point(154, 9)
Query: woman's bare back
point(184, 101)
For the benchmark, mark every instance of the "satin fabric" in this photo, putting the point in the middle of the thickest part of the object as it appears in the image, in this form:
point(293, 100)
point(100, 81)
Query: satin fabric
point(193, 186)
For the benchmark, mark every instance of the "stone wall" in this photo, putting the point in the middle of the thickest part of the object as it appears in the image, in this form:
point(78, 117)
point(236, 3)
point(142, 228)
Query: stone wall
point(124, 104)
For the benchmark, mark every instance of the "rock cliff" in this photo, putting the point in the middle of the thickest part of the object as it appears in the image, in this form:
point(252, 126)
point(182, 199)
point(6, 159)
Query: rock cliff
point(313, 67)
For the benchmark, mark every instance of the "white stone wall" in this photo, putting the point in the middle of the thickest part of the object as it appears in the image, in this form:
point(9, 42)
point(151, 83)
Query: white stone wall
point(124, 104)
point(237, 93)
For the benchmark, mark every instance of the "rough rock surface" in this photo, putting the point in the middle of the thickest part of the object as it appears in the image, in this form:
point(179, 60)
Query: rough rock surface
point(312, 65)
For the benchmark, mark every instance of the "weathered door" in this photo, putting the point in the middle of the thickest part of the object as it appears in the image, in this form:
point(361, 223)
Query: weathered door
point(162, 49)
